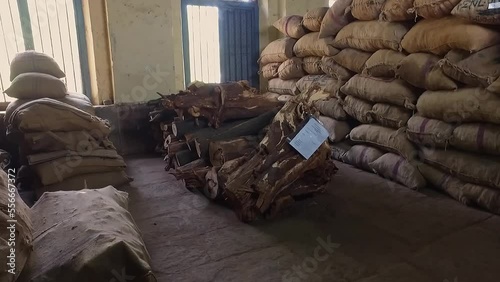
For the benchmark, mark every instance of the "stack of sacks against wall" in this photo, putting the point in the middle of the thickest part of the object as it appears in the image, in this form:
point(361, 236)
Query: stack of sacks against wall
point(457, 126)
point(63, 146)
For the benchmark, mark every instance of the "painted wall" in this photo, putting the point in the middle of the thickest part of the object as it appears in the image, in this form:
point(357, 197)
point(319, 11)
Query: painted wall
point(145, 43)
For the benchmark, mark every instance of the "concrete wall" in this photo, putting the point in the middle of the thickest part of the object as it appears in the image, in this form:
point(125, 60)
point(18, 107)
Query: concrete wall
point(140, 51)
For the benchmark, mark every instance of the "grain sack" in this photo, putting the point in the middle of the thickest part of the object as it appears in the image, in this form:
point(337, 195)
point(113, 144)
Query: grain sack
point(358, 109)
point(463, 105)
point(311, 45)
point(371, 36)
point(291, 69)
point(338, 16)
point(326, 83)
point(36, 85)
point(312, 65)
point(87, 181)
point(32, 61)
point(361, 156)
point(430, 9)
point(376, 90)
point(313, 18)
point(478, 69)
point(50, 115)
point(397, 10)
point(468, 167)
point(482, 11)
point(44, 157)
point(340, 149)
point(386, 138)
point(429, 132)
point(367, 10)
point(439, 36)
point(13, 263)
point(466, 193)
point(291, 26)
point(422, 70)
point(495, 87)
point(52, 141)
point(66, 167)
point(383, 63)
point(281, 87)
point(477, 137)
point(270, 71)
point(86, 236)
point(338, 130)
point(331, 68)
point(390, 116)
point(397, 168)
point(331, 108)
point(352, 59)
point(278, 51)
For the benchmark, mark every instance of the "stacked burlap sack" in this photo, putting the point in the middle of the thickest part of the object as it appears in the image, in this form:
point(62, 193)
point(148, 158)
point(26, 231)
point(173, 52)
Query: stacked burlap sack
point(63, 145)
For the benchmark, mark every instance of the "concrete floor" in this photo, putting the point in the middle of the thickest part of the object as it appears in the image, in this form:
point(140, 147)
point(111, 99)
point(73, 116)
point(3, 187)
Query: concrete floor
point(362, 229)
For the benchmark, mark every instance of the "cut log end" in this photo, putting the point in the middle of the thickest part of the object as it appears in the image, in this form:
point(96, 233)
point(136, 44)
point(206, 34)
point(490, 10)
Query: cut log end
point(211, 189)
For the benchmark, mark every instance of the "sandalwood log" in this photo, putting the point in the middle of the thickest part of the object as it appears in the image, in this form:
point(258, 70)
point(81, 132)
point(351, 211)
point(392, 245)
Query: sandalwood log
point(216, 176)
point(175, 147)
point(181, 128)
point(184, 157)
point(226, 150)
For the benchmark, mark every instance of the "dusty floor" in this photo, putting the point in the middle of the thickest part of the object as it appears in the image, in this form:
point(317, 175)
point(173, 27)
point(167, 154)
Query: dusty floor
point(363, 229)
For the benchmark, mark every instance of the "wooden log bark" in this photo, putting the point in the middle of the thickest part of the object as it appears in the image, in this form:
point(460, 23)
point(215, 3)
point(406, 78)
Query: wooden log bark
point(175, 147)
point(216, 176)
point(181, 128)
point(183, 158)
point(255, 185)
point(226, 150)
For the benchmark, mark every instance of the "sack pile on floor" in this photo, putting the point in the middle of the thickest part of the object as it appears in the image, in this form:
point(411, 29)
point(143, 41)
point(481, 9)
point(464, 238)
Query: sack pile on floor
point(63, 145)
point(425, 71)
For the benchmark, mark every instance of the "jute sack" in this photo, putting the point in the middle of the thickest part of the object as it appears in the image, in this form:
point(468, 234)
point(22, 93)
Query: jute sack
point(45, 157)
point(367, 10)
point(338, 130)
point(77, 100)
point(333, 69)
point(311, 45)
point(463, 105)
point(326, 83)
point(313, 18)
point(376, 90)
point(386, 138)
point(361, 156)
point(312, 65)
point(88, 181)
point(430, 9)
point(397, 168)
point(291, 69)
point(331, 108)
point(288, 87)
point(270, 71)
point(291, 26)
point(81, 141)
point(340, 149)
point(358, 109)
point(352, 59)
point(422, 70)
point(32, 61)
point(338, 16)
point(66, 167)
point(482, 11)
point(50, 115)
point(479, 69)
point(36, 85)
point(466, 193)
point(397, 10)
point(468, 167)
point(371, 36)
point(86, 236)
point(383, 63)
point(390, 116)
point(477, 137)
point(495, 86)
point(429, 132)
point(439, 36)
point(23, 231)
point(278, 51)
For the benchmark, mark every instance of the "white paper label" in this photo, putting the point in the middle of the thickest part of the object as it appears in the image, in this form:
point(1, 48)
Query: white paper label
point(495, 5)
point(309, 138)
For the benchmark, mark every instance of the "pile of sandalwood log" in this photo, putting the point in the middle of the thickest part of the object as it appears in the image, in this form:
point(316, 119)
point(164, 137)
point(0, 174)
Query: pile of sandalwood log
point(230, 142)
